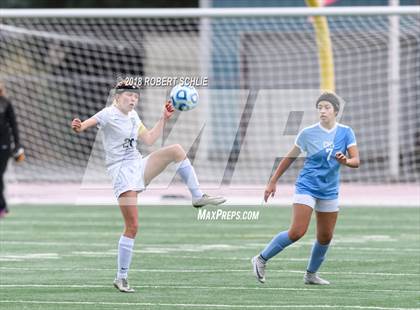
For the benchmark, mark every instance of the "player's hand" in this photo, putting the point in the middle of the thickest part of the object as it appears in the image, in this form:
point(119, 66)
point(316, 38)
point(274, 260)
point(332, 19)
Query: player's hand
point(341, 158)
point(270, 190)
point(168, 110)
point(76, 125)
point(19, 154)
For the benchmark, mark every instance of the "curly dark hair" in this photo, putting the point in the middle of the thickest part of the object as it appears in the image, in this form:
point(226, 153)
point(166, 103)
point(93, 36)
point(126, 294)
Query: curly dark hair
point(331, 98)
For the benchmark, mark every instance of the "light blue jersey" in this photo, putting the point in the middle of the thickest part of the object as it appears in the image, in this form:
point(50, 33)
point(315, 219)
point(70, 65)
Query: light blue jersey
point(320, 174)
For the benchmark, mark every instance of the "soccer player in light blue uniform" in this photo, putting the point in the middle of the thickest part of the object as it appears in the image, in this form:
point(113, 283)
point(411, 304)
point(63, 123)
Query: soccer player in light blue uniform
point(326, 145)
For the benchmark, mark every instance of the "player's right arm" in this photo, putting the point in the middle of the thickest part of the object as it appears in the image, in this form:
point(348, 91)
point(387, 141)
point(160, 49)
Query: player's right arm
point(285, 163)
point(78, 126)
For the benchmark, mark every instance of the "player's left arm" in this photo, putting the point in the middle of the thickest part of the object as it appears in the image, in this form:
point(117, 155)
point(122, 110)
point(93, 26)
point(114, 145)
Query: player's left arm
point(149, 137)
point(352, 160)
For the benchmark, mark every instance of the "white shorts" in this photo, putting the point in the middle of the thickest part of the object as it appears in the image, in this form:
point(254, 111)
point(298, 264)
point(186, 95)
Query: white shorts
point(320, 205)
point(128, 176)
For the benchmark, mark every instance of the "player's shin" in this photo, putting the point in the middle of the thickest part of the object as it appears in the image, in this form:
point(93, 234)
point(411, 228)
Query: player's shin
point(276, 245)
point(318, 254)
point(187, 173)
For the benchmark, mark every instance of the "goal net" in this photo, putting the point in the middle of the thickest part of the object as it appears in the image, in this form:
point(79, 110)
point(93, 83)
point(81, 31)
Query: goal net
point(263, 79)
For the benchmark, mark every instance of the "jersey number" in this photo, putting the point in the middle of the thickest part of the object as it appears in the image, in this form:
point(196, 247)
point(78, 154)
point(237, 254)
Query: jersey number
point(128, 143)
point(329, 147)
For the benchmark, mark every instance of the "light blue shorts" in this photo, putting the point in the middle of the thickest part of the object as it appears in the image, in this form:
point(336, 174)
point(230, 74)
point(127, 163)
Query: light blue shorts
point(320, 205)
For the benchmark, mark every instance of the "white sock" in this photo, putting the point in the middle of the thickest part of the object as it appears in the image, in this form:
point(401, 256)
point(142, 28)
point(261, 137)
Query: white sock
point(187, 173)
point(125, 251)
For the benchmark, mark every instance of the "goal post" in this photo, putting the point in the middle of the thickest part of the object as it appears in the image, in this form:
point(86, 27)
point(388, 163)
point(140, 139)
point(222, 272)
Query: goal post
point(325, 54)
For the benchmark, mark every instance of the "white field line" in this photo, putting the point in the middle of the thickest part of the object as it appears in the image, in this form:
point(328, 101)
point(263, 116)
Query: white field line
point(283, 259)
point(80, 220)
point(201, 305)
point(194, 247)
point(84, 220)
point(8, 232)
point(5, 257)
point(53, 243)
point(80, 224)
point(53, 233)
point(28, 256)
point(202, 287)
point(337, 240)
point(13, 256)
point(377, 249)
point(188, 247)
point(221, 247)
point(113, 253)
point(212, 271)
point(225, 247)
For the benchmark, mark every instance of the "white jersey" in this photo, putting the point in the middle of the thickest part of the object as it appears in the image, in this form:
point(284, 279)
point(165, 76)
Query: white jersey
point(120, 133)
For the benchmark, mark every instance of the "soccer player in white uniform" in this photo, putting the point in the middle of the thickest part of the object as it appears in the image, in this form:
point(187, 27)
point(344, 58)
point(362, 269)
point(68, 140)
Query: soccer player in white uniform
point(326, 145)
point(130, 172)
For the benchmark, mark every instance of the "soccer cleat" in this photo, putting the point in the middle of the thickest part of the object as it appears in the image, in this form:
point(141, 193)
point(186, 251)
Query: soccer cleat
point(208, 200)
point(312, 278)
point(258, 266)
point(123, 286)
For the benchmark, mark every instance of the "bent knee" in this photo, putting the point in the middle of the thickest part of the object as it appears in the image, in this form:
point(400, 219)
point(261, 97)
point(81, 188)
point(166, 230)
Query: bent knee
point(178, 151)
point(296, 233)
point(178, 148)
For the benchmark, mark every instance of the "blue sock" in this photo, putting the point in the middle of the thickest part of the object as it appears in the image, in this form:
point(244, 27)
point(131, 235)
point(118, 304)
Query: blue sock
point(318, 255)
point(187, 173)
point(276, 245)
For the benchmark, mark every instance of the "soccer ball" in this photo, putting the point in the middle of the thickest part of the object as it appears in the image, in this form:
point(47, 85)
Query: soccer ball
point(184, 97)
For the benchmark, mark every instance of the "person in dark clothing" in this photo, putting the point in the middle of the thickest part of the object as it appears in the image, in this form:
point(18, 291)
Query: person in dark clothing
point(9, 143)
